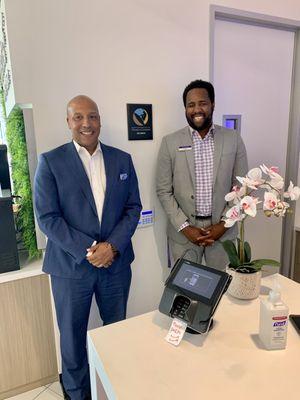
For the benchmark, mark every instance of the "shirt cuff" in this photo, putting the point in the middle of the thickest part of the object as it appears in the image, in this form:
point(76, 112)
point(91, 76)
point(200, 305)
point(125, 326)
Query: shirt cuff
point(89, 253)
point(184, 225)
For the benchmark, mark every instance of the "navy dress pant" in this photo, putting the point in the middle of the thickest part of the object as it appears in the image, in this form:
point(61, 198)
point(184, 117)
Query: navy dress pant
point(73, 299)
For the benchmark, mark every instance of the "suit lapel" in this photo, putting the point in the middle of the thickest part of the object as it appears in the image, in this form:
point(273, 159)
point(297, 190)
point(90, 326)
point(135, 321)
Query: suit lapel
point(110, 171)
point(79, 174)
point(186, 140)
point(218, 148)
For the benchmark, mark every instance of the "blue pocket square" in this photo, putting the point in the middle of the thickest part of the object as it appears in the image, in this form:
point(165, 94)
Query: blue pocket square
point(123, 177)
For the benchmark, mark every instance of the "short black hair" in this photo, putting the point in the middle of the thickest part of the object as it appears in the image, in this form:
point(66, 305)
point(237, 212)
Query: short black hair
point(199, 84)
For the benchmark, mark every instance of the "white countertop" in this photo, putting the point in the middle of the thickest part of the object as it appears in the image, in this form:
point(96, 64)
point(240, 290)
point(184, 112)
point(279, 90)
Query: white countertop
point(134, 361)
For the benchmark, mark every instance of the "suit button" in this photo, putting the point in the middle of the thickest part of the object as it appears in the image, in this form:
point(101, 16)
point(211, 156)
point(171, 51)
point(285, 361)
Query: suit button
point(192, 215)
point(192, 197)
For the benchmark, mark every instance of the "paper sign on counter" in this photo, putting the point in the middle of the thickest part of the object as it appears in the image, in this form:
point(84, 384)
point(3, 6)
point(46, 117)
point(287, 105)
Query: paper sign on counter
point(176, 332)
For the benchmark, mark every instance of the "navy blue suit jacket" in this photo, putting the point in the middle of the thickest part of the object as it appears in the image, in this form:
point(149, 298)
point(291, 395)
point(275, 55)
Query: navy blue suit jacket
point(66, 210)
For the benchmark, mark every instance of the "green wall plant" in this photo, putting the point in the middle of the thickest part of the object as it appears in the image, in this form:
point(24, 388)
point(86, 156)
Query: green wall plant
point(16, 140)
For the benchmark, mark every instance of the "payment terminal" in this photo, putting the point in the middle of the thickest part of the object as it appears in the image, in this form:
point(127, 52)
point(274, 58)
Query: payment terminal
point(192, 293)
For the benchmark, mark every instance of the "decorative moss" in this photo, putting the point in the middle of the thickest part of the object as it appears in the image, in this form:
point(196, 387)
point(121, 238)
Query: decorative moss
point(16, 140)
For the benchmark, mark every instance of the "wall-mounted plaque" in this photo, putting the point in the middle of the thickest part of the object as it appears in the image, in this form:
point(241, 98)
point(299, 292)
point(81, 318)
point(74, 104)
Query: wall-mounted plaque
point(139, 120)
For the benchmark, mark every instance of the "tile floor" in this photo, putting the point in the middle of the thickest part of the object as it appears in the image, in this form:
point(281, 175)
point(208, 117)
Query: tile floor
point(48, 392)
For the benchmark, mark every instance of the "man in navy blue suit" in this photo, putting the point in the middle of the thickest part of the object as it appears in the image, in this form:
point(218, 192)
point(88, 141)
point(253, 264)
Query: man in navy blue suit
point(88, 205)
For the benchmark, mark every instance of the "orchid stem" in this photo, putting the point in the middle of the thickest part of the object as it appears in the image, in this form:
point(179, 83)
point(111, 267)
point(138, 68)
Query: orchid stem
point(242, 238)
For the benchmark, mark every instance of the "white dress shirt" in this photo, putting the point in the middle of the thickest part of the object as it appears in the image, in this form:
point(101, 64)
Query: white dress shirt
point(95, 170)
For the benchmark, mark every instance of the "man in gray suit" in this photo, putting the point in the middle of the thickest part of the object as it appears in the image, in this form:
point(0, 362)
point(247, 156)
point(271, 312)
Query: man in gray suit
point(197, 167)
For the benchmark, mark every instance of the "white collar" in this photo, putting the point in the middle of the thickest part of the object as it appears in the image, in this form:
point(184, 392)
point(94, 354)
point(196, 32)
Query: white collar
point(80, 149)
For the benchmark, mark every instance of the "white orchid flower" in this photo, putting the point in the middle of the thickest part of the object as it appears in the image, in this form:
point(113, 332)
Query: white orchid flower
point(253, 179)
point(248, 205)
point(276, 181)
point(247, 182)
point(293, 192)
point(269, 171)
point(255, 174)
point(236, 194)
point(270, 201)
point(233, 215)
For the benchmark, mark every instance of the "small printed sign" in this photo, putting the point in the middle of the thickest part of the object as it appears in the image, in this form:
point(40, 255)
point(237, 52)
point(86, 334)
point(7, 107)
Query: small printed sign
point(146, 218)
point(176, 332)
point(139, 120)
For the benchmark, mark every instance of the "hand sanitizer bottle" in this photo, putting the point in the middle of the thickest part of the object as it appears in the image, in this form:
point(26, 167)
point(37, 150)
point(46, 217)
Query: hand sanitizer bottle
point(273, 320)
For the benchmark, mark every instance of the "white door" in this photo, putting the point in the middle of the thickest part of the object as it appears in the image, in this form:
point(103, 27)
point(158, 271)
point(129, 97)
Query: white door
point(252, 77)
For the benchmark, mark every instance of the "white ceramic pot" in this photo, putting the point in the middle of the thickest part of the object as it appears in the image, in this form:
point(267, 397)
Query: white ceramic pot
point(244, 286)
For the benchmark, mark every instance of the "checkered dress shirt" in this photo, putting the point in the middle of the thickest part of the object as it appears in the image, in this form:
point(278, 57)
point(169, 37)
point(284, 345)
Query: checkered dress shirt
point(204, 167)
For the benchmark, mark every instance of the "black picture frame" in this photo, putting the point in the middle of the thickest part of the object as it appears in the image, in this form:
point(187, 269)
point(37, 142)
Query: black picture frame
point(139, 121)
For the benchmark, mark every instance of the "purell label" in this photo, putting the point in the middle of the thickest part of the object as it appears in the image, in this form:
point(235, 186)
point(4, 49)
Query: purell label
point(279, 323)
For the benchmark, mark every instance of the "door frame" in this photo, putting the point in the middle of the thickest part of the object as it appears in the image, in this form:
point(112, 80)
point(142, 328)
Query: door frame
point(293, 145)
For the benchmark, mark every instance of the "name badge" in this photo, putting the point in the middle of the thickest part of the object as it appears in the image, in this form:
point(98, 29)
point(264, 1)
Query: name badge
point(184, 148)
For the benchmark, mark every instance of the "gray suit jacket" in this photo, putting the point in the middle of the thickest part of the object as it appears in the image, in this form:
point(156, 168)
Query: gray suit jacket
point(175, 184)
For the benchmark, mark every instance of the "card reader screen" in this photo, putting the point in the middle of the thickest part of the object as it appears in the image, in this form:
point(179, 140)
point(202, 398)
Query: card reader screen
point(197, 281)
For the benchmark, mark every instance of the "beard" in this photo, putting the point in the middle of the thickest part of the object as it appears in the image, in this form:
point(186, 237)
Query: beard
point(205, 124)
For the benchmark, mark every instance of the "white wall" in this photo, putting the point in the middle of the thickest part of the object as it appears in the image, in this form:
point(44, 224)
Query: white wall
point(117, 52)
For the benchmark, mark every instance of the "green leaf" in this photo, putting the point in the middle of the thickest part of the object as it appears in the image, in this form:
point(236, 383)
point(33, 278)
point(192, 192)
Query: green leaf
point(258, 264)
point(247, 250)
point(230, 249)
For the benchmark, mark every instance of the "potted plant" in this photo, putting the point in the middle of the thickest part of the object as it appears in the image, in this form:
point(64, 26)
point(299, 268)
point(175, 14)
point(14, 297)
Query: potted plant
point(245, 271)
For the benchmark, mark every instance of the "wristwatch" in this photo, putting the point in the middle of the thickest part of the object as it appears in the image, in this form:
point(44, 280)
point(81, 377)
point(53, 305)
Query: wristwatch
point(114, 250)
